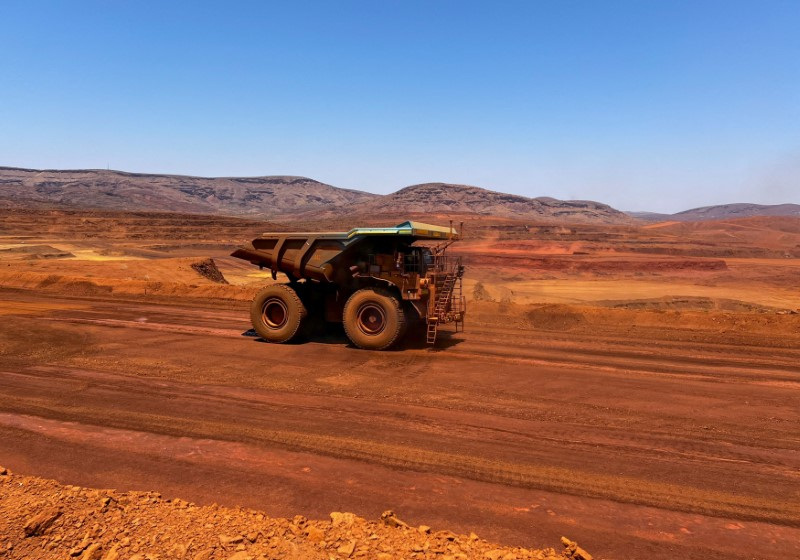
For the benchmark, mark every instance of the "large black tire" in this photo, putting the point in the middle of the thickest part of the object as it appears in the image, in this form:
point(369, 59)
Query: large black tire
point(277, 313)
point(374, 319)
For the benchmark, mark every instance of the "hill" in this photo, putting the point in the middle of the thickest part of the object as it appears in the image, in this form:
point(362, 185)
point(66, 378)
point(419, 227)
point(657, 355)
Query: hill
point(737, 210)
point(445, 198)
point(273, 197)
point(116, 190)
point(722, 212)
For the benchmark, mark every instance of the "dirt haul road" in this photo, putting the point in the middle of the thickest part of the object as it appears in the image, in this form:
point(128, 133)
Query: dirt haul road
point(635, 448)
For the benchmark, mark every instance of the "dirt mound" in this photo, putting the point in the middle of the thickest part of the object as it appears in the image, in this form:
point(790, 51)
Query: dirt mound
point(688, 303)
point(43, 519)
point(34, 252)
point(85, 286)
point(727, 322)
point(593, 265)
point(73, 287)
point(555, 317)
point(208, 269)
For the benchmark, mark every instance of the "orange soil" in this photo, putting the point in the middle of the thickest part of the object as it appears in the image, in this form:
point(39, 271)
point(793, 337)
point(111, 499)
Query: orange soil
point(633, 387)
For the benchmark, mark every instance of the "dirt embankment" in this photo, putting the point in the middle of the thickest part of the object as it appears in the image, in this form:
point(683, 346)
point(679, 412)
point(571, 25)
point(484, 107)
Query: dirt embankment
point(197, 277)
point(31, 252)
point(605, 266)
point(43, 519)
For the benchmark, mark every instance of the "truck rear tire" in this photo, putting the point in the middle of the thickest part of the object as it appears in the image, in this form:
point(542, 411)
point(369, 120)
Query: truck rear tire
point(277, 313)
point(374, 319)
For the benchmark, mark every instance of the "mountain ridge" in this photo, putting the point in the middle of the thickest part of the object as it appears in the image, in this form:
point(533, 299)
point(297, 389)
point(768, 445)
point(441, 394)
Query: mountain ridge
point(263, 196)
point(459, 199)
point(273, 196)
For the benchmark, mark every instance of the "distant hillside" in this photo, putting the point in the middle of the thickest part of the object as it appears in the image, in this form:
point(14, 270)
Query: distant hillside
point(272, 197)
point(464, 199)
point(116, 190)
point(722, 212)
point(649, 216)
point(738, 210)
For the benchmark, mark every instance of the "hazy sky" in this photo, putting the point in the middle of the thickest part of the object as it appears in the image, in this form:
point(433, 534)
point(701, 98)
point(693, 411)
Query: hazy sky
point(656, 105)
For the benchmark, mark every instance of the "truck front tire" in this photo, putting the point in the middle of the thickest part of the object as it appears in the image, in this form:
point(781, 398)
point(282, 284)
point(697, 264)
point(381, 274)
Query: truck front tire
point(277, 313)
point(373, 319)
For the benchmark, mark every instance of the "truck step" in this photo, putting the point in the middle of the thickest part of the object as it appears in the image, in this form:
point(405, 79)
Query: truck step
point(431, 334)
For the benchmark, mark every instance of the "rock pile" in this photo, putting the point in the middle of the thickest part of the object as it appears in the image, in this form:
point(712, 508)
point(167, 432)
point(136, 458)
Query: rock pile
point(43, 519)
point(208, 269)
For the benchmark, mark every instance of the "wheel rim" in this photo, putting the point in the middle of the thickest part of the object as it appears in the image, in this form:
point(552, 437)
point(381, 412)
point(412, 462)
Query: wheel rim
point(274, 313)
point(371, 319)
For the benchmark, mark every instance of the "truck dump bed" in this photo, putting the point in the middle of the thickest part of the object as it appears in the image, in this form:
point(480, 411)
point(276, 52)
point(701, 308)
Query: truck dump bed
point(314, 254)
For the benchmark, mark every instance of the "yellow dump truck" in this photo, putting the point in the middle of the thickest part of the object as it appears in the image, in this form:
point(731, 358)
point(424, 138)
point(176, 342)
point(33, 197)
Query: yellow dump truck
point(376, 281)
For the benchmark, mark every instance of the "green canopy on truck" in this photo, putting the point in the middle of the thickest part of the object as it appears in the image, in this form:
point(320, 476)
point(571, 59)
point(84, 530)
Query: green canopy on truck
point(417, 230)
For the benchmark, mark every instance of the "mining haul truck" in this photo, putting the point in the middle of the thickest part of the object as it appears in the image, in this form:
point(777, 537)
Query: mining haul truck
point(376, 281)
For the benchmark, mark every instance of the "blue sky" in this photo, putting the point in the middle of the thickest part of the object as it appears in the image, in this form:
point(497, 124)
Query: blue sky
point(656, 105)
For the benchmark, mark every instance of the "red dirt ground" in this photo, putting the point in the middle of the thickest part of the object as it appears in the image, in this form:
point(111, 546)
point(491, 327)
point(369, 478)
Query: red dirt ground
point(659, 427)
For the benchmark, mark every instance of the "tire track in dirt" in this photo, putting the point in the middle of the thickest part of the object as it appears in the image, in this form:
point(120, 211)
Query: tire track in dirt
point(636, 491)
point(669, 433)
point(617, 360)
point(391, 454)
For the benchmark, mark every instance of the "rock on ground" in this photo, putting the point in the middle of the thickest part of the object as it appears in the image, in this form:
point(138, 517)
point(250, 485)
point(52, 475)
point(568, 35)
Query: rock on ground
point(44, 519)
